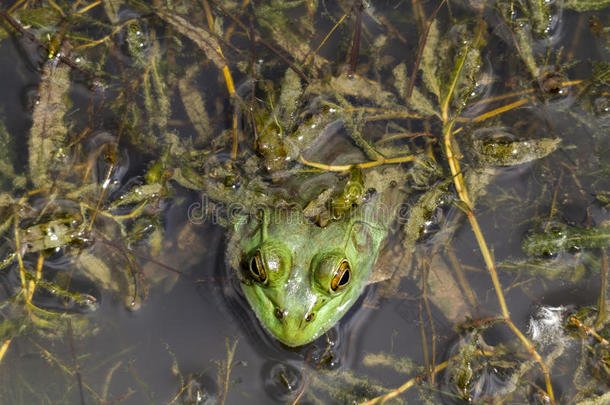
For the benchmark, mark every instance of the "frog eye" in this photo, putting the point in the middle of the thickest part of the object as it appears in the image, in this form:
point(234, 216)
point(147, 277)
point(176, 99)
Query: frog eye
point(342, 276)
point(257, 269)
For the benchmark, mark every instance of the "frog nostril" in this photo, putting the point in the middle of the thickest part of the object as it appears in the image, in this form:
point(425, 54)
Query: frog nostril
point(310, 317)
point(280, 314)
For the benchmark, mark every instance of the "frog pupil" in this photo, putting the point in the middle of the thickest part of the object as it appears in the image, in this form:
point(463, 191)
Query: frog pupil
point(256, 268)
point(345, 278)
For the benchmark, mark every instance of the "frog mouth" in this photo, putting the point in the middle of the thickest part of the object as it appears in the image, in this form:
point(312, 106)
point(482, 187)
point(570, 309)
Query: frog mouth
point(302, 332)
point(291, 329)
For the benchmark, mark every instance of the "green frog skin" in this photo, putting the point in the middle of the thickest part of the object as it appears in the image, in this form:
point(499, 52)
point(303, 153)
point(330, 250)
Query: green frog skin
point(300, 278)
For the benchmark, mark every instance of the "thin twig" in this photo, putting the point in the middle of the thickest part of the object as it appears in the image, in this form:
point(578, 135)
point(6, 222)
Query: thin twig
point(4, 348)
point(553, 203)
point(48, 355)
point(231, 28)
point(225, 69)
point(410, 383)
point(420, 52)
point(283, 58)
point(315, 51)
point(601, 301)
point(500, 110)
point(77, 373)
point(353, 58)
point(15, 5)
point(394, 393)
point(222, 395)
point(228, 80)
point(365, 165)
point(588, 330)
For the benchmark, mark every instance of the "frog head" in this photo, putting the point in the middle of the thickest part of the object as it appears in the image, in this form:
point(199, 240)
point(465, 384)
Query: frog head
point(300, 278)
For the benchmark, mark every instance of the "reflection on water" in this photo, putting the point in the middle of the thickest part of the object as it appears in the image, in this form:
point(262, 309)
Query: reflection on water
point(138, 184)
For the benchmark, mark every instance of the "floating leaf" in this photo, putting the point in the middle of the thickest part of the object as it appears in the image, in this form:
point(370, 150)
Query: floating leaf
point(418, 101)
point(8, 177)
point(194, 104)
point(200, 36)
point(524, 47)
point(586, 5)
point(401, 365)
point(430, 61)
point(503, 152)
point(290, 94)
point(49, 132)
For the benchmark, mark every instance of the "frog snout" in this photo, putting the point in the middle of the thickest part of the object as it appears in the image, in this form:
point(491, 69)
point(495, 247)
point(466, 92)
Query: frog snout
point(295, 318)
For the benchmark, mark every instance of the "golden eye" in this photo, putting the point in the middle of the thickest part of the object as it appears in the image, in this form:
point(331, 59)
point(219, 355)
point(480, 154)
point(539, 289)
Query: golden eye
point(257, 269)
point(342, 276)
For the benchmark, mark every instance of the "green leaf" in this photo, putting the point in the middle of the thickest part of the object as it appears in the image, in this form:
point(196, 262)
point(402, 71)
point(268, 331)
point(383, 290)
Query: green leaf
point(418, 101)
point(194, 104)
point(204, 40)
point(49, 132)
point(586, 5)
point(430, 61)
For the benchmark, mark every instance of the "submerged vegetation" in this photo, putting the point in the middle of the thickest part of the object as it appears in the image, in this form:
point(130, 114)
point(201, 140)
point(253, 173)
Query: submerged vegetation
point(463, 117)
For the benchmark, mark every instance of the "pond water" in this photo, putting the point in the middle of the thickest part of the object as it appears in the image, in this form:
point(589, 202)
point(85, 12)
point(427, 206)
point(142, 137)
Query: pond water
point(139, 149)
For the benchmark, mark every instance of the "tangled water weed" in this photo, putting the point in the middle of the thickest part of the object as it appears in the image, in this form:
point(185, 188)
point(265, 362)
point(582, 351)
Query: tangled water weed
point(304, 202)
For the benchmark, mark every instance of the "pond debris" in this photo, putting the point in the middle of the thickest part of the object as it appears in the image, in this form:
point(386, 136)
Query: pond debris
point(224, 370)
point(405, 114)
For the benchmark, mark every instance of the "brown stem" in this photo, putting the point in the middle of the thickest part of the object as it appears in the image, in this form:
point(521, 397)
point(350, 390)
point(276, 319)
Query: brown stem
point(601, 302)
point(4, 348)
point(420, 51)
point(77, 373)
point(283, 58)
point(353, 59)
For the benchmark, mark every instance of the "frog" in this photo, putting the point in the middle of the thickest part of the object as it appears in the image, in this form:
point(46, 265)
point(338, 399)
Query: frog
point(300, 277)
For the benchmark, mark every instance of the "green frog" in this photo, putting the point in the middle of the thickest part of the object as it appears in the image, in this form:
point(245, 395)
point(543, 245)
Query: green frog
point(299, 277)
